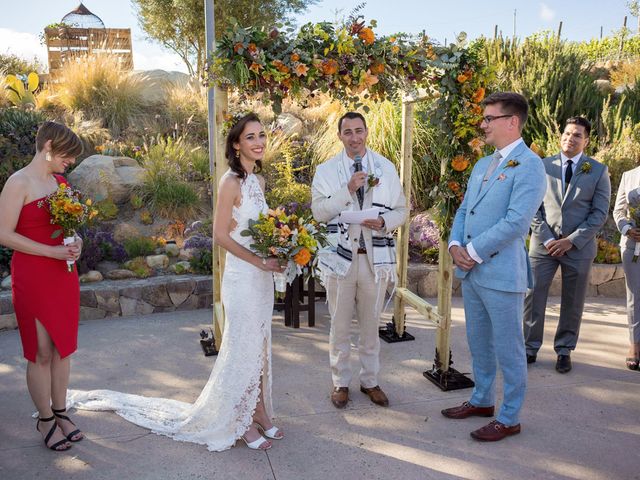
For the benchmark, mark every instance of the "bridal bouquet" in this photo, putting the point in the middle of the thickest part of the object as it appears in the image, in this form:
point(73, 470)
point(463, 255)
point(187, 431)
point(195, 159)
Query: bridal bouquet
point(634, 212)
point(69, 212)
point(291, 235)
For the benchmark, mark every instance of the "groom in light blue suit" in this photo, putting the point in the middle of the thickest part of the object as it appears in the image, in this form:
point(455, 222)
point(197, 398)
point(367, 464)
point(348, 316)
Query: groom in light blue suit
point(487, 245)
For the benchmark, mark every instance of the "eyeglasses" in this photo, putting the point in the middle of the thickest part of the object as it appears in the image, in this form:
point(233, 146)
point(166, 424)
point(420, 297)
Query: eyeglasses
point(491, 118)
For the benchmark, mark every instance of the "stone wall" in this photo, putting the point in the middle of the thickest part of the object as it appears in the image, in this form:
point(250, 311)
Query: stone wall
point(112, 298)
point(605, 281)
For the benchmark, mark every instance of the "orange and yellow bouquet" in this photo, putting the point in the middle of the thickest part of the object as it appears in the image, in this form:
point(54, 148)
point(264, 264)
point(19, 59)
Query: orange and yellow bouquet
point(69, 212)
point(290, 234)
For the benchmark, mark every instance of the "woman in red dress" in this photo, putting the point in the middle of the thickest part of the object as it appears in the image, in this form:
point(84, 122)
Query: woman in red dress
point(46, 297)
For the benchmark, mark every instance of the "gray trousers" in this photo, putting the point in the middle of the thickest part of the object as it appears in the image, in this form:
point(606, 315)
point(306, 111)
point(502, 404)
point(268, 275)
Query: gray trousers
point(632, 279)
point(575, 278)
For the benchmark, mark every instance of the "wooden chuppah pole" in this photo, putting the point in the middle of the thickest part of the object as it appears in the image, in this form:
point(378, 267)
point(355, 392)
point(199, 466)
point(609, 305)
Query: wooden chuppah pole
point(217, 104)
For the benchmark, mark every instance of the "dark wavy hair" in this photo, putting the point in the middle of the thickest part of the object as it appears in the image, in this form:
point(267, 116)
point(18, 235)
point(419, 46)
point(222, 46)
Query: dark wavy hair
point(234, 137)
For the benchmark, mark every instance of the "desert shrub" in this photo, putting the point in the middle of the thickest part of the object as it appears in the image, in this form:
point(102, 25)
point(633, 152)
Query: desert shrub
point(99, 88)
point(140, 246)
point(139, 267)
point(145, 217)
point(13, 64)
point(288, 177)
point(98, 245)
point(136, 202)
point(169, 197)
point(107, 209)
point(202, 261)
point(18, 130)
point(608, 252)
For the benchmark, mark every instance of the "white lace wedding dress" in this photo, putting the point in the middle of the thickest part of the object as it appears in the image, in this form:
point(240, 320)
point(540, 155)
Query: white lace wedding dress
point(224, 409)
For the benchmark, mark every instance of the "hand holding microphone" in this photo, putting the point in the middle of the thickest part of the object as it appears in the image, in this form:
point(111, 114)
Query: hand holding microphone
point(359, 178)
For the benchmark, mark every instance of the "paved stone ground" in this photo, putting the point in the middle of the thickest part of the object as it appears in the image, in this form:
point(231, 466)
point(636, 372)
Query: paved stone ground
point(583, 425)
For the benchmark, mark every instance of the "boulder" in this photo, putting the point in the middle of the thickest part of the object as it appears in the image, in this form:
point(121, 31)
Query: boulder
point(6, 282)
point(106, 266)
point(289, 124)
point(124, 230)
point(157, 261)
point(186, 254)
point(91, 276)
point(180, 268)
point(99, 176)
point(155, 83)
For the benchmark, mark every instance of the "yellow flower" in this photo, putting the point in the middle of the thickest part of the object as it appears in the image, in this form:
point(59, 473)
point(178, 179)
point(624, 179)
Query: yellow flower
point(395, 49)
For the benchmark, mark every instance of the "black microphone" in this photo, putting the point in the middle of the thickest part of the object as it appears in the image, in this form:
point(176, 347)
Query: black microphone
point(357, 163)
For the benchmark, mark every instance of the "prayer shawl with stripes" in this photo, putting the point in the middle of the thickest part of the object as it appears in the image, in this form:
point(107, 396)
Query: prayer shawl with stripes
point(331, 196)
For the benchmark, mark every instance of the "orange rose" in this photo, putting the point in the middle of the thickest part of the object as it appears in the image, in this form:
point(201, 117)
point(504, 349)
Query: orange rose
point(287, 82)
point(453, 186)
point(367, 35)
point(302, 257)
point(377, 68)
point(237, 47)
point(252, 48)
point(255, 67)
point(459, 163)
point(329, 67)
point(478, 95)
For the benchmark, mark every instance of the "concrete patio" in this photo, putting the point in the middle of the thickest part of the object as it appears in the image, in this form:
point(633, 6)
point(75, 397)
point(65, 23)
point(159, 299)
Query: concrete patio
point(583, 425)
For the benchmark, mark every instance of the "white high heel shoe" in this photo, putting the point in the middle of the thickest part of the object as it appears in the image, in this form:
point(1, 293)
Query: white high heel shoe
point(271, 433)
point(257, 444)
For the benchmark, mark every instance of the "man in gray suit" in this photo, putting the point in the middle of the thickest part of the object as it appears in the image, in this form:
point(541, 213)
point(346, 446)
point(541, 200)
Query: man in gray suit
point(574, 209)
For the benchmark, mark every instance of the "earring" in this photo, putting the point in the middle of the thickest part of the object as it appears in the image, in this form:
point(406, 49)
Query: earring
point(237, 153)
point(48, 157)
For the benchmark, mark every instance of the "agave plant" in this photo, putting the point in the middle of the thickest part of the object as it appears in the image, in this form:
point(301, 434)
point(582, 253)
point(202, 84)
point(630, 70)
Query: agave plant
point(21, 90)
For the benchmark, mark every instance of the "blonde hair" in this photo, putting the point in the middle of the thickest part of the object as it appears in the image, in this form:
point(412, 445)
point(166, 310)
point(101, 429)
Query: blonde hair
point(63, 141)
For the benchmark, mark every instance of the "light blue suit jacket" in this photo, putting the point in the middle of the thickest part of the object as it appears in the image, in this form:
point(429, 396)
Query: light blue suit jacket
point(496, 218)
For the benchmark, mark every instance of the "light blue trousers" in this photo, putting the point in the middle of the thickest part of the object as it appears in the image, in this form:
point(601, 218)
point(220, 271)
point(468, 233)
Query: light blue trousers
point(494, 334)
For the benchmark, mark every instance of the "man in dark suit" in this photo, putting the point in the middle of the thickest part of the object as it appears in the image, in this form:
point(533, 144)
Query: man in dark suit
point(574, 209)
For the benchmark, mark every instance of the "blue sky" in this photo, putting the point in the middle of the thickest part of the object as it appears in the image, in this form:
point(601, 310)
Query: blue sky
point(22, 22)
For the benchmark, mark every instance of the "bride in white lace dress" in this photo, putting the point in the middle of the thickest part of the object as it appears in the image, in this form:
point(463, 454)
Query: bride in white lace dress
point(236, 401)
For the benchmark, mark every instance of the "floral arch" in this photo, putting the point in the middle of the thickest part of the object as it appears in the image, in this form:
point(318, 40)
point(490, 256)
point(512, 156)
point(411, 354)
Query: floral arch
point(350, 63)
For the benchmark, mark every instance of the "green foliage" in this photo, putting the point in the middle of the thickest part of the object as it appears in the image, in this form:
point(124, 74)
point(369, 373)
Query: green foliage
point(184, 113)
point(202, 261)
point(139, 267)
point(554, 94)
point(608, 48)
point(179, 25)
point(145, 217)
point(136, 202)
point(288, 178)
point(140, 246)
point(169, 197)
point(607, 252)
point(18, 130)
point(107, 209)
point(11, 63)
point(5, 259)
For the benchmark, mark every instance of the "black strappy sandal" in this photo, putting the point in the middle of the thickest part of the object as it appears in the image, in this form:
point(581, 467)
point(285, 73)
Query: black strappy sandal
point(55, 446)
point(58, 413)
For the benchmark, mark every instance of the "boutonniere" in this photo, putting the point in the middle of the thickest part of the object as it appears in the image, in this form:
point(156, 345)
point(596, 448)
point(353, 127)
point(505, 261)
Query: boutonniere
point(586, 167)
point(502, 176)
point(512, 163)
point(372, 181)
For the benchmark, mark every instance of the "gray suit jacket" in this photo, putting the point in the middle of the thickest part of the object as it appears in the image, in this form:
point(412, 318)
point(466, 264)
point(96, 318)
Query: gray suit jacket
point(627, 196)
point(578, 215)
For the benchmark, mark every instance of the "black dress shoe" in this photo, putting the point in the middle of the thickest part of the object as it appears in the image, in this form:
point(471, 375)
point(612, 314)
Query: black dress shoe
point(563, 365)
point(531, 358)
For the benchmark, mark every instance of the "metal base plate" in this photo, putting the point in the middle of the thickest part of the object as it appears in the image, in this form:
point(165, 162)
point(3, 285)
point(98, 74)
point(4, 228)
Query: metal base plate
point(208, 347)
point(450, 380)
point(389, 334)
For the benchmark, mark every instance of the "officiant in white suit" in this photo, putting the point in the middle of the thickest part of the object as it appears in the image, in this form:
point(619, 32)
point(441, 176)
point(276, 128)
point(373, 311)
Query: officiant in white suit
point(363, 261)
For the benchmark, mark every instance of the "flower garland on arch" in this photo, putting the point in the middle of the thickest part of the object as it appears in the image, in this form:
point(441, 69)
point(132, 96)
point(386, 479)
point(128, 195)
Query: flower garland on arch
point(351, 64)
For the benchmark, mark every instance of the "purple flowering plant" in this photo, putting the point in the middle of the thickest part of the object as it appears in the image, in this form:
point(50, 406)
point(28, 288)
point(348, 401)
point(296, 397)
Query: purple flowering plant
point(424, 237)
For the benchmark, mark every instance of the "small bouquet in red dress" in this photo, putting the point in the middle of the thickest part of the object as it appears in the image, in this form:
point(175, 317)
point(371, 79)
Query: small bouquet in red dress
point(69, 212)
point(290, 234)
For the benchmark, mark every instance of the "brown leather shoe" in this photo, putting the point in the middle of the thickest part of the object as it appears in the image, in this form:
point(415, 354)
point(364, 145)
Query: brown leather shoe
point(376, 395)
point(494, 432)
point(340, 397)
point(467, 410)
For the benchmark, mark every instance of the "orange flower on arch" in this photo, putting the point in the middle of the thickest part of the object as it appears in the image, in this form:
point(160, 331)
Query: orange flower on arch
point(302, 257)
point(255, 67)
point(295, 57)
point(367, 36)
point(377, 68)
point(459, 163)
point(395, 49)
point(237, 47)
point(329, 67)
point(478, 95)
point(453, 186)
point(301, 69)
point(252, 48)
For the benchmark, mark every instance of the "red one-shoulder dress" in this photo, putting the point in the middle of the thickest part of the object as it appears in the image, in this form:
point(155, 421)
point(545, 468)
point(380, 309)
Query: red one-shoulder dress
point(43, 288)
